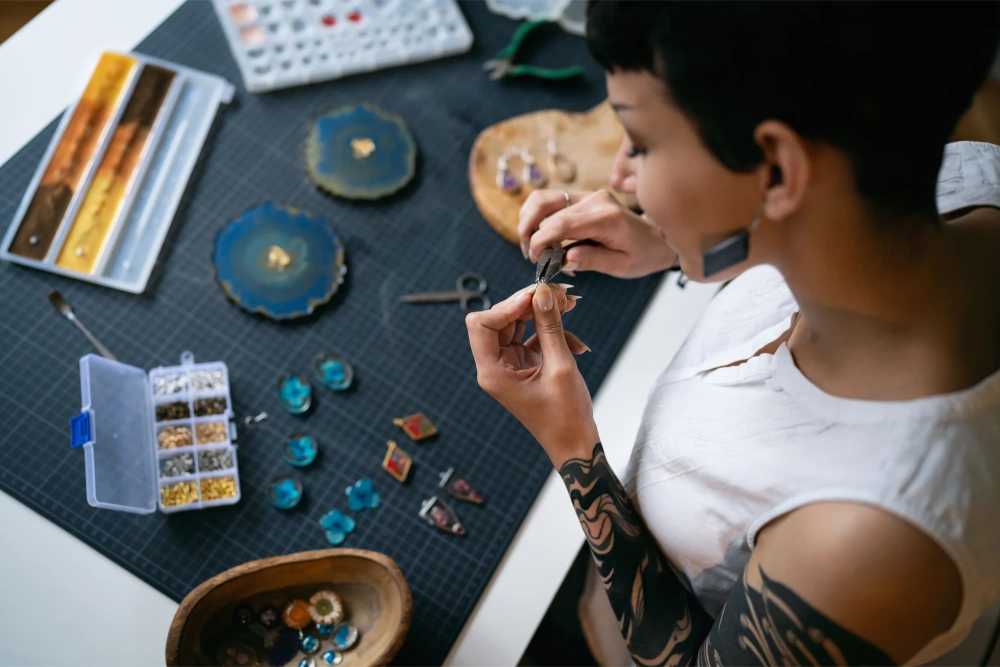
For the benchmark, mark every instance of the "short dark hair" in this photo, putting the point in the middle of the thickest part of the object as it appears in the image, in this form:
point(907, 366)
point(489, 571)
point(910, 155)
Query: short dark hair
point(884, 82)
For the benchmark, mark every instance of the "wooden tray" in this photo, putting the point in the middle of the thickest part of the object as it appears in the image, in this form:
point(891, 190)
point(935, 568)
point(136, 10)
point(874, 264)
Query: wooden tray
point(375, 594)
point(589, 140)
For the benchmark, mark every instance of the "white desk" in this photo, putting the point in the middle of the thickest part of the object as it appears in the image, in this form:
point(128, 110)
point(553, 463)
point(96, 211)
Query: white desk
point(67, 604)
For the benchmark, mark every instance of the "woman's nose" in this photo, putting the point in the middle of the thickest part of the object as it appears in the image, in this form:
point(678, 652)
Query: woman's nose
point(622, 176)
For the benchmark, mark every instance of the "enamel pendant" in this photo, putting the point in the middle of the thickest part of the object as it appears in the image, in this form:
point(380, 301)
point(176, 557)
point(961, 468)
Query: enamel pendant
point(458, 488)
point(396, 462)
point(442, 517)
point(417, 426)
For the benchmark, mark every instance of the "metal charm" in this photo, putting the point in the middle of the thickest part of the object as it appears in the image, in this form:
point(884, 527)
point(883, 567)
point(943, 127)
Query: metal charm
point(396, 461)
point(417, 426)
point(442, 517)
point(506, 180)
point(458, 488)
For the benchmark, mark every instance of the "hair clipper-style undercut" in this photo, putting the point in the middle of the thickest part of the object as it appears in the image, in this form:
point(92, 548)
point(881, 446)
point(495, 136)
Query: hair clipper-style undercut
point(884, 82)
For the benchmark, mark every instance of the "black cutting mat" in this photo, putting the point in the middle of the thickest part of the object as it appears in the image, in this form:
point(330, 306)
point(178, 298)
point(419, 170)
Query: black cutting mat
point(408, 358)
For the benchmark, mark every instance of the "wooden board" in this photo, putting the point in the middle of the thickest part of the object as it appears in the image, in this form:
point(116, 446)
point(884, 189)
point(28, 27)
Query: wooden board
point(589, 140)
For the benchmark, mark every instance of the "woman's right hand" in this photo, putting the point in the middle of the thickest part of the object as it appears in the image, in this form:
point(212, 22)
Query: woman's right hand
point(625, 244)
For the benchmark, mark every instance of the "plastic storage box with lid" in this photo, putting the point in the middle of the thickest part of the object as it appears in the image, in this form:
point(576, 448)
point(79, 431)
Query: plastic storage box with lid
point(121, 427)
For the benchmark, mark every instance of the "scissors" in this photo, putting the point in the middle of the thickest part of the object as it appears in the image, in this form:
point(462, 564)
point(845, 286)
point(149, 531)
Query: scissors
point(470, 291)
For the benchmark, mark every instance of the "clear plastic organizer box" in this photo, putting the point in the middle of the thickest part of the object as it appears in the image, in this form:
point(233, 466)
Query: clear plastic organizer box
point(159, 439)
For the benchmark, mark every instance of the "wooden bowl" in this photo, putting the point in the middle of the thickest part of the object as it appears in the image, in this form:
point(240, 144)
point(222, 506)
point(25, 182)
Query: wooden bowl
point(376, 597)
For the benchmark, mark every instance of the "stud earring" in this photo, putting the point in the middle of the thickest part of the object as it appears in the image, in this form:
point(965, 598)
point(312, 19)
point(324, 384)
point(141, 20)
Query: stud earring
point(531, 174)
point(560, 165)
point(506, 180)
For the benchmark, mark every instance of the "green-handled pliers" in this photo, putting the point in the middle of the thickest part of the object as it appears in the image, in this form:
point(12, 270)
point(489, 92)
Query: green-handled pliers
point(503, 65)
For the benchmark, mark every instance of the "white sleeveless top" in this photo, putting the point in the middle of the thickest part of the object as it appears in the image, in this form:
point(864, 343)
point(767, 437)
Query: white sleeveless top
point(722, 452)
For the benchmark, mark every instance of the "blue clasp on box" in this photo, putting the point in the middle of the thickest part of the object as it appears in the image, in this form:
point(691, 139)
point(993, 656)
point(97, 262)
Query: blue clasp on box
point(80, 431)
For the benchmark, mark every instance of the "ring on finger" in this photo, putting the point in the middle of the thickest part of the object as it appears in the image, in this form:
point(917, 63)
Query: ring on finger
point(566, 199)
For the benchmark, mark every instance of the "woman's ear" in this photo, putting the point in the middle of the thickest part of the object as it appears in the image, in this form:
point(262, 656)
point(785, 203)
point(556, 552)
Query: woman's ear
point(785, 172)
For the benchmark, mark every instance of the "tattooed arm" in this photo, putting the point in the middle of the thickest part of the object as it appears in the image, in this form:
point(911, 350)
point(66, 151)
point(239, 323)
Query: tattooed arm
point(831, 583)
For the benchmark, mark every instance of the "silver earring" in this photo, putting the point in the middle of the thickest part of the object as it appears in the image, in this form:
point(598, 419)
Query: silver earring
point(531, 173)
point(506, 180)
point(560, 165)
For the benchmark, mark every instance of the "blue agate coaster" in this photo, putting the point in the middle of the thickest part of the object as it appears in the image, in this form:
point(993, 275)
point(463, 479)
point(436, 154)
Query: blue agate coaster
point(278, 261)
point(301, 450)
point(286, 492)
point(360, 152)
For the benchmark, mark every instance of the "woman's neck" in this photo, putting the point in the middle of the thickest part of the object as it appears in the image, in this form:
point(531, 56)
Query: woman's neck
point(891, 315)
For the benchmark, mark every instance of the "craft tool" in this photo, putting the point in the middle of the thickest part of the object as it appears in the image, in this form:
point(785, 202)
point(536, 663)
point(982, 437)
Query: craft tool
point(63, 308)
point(502, 65)
point(282, 43)
point(551, 260)
point(469, 292)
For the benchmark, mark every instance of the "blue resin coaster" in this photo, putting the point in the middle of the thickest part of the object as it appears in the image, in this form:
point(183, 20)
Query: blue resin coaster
point(333, 372)
point(279, 262)
point(360, 152)
point(301, 450)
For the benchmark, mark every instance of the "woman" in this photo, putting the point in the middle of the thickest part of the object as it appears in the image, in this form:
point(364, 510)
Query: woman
point(815, 477)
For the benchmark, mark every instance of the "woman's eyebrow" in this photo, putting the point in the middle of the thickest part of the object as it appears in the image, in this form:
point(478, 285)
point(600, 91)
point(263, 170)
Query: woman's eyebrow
point(621, 106)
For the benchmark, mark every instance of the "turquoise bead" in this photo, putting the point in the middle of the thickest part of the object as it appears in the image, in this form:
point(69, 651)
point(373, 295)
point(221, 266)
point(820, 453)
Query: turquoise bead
point(295, 394)
point(286, 493)
point(301, 450)
point(345, 636)
point(310, 644)
point(332, 658)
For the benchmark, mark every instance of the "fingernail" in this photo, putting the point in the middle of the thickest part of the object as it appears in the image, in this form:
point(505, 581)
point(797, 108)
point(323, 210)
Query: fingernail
point(570, 268)
point(524, 251)
point(566, 286)
point(574, 297)
point(543, 294)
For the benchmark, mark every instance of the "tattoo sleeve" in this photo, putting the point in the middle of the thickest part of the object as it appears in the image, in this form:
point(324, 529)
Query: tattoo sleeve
point(661, 620)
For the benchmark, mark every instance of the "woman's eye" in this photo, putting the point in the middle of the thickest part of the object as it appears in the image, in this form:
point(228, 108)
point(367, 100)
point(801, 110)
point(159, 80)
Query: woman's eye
point(634, 151)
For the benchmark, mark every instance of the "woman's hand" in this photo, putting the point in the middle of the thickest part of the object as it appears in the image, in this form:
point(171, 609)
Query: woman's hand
point(536, 380)
point(627, 246)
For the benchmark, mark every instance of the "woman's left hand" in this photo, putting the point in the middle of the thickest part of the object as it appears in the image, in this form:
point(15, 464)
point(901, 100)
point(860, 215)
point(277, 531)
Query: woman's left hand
point(536, 380)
